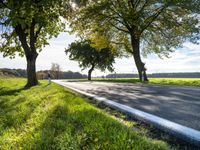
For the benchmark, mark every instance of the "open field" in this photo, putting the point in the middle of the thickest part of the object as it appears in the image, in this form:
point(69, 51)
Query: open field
point(51, 117)
point(165, 81)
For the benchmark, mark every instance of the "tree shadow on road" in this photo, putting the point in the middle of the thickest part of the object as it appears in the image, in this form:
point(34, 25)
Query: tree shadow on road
point(179, 106)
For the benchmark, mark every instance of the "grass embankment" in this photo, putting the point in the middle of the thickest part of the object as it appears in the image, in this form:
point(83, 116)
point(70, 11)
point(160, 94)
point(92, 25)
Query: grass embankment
point(165, 81)
point(51, 117)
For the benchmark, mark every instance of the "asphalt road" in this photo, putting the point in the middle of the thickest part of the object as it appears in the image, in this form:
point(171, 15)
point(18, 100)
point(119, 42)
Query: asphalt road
point(178, 104)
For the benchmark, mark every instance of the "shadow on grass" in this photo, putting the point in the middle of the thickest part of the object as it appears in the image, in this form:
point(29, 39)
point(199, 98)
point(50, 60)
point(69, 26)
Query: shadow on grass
point(70, 124)
point(46, 85)
point(15, 109)
point(82, 129)
point(55, 124)
point(7, 92)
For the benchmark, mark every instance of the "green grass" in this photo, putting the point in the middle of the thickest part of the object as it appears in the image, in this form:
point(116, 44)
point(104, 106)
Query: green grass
point(52, 117)
point(165, 81)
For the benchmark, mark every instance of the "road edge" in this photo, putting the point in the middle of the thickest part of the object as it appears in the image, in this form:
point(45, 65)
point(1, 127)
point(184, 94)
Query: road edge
point(183, 132)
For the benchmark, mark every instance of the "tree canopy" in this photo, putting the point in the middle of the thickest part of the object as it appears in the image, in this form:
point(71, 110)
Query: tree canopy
point(90, 57)
point(133, 26)
point(39, 21)
point(26, 26)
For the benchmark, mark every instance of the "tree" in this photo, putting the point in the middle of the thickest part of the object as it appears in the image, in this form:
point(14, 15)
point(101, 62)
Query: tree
point(56, 70)
point(41, 75)
point(89, 57)
point(135, 26)
point(26, 25)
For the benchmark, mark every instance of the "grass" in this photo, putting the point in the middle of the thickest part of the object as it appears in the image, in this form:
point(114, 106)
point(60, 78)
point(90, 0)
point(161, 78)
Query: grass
point(165, 81)
point(52, 117)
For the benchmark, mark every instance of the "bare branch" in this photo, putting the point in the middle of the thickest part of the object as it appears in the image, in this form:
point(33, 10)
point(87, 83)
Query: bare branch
point(32, 34)
point(152, 18)
point(125, 23)
point(118, 28)
point(23, 39)
point(1, 2)
point(37, 32)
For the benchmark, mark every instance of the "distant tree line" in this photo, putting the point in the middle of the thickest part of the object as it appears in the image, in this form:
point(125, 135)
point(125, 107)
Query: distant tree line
point(41, 74)
point(61, 75)
point(158, 75)
point(13, 72)
point(176, 75)
point(122, 75)
point(76, 75)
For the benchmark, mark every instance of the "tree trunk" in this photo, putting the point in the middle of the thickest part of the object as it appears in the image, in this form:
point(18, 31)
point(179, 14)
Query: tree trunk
point(90, 72)
point(30, 52)
point(31, 71)
point(136, 54)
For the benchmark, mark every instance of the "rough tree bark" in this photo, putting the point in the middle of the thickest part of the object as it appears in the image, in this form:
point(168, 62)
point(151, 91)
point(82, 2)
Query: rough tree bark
point(30, 53)
point(90, 72)
point(31, 71)
point(135, 42)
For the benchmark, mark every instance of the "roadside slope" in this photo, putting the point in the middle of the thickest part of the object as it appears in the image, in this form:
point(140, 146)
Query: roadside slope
point(51, 117)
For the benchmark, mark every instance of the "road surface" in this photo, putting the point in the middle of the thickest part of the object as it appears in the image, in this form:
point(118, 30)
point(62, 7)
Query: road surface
point(178, 104)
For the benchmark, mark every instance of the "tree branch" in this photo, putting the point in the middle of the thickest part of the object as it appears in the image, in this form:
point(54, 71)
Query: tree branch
point(22, 37)
point(144, 5)
point(125, 23)
point(1, 2)
point(153, 17)
point(131, 3)
point(118, 28)
point(32, 35)
point(37, 33)
point(137, 2)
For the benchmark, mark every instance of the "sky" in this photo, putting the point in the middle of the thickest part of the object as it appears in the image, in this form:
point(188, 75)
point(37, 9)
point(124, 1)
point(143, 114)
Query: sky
point(186, 59)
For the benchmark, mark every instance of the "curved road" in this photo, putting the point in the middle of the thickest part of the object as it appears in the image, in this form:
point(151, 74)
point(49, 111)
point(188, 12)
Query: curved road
point(178, 104)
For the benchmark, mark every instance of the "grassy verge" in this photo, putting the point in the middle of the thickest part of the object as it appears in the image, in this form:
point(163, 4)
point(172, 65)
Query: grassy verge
point(165, 81)
point(51, 117)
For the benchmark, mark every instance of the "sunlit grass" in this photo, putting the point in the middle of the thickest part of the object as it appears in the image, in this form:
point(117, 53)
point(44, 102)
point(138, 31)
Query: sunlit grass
point(51, 117)
point(176, 81)
point(166, 81)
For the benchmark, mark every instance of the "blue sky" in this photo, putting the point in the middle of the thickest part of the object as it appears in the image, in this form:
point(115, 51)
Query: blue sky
point(186, 59)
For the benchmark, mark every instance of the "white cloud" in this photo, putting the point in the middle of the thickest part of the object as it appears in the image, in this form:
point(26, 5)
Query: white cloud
point(191, 46)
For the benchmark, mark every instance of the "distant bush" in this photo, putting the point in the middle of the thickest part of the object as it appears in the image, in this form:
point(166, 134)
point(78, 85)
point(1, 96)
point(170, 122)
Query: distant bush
point(158, 75)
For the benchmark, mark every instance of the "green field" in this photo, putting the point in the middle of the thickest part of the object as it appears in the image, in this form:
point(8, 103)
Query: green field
point(165, 81)
point(52, 117)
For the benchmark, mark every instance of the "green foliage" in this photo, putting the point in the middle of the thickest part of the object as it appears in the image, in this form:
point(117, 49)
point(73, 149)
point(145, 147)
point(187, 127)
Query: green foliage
point(87, 56)
point(51, 117)
point(160, 26)
point(39, 19)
